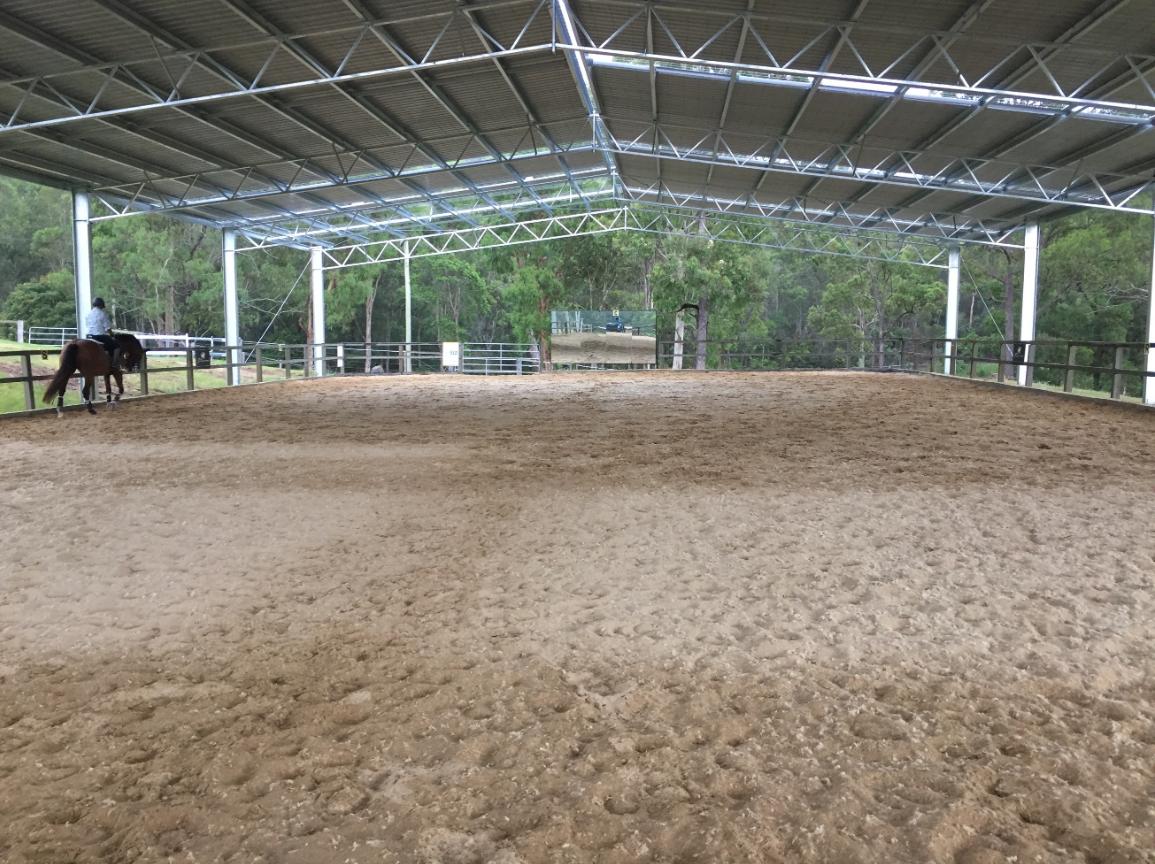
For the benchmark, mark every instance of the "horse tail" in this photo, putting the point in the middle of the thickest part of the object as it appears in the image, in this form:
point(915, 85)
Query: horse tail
point(67, 366)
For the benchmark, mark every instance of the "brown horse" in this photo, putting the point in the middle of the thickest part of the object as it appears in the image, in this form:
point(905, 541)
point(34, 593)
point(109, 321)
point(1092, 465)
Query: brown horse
point(92, 359)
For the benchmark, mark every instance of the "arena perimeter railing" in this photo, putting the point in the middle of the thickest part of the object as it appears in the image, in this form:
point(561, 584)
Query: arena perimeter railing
point(1114, 369)
point(255, 363)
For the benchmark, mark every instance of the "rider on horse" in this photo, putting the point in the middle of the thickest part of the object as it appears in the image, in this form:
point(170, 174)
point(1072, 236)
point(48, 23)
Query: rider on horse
point(98, 328)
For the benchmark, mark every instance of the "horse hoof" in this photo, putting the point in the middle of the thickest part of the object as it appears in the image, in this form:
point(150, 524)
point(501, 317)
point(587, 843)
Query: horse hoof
point(91, 410)
point(59, 414)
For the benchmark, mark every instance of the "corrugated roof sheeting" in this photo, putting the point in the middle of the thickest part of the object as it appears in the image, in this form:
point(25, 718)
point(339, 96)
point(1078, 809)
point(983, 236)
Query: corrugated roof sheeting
point(329, 108)
point(274, 129)
point(547, 84)
point(761, 110)
point(292, 18)
point(86, 27)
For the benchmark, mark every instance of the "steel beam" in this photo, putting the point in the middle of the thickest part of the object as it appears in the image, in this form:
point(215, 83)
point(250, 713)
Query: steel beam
point(317, 301)
point(1149, 381)
point(236, 183)
point(82, 257)
point(990, 178)
point(566, 28)
point(232, 306)
point(684, 223)
point(952, 298)
point(407, 257)
point(29, 100)
point(1030, 299)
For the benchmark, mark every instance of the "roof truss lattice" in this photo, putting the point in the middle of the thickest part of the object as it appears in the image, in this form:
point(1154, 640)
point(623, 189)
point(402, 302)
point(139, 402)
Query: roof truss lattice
point(345, 122)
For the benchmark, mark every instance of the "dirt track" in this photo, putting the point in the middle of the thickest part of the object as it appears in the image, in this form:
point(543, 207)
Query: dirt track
point(835, 619)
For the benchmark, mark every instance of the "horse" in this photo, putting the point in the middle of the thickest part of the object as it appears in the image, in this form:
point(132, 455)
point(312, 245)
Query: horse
point(91, 358)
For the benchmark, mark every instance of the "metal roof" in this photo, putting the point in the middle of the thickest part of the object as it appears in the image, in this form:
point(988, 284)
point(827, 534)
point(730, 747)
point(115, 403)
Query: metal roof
point(330, 121)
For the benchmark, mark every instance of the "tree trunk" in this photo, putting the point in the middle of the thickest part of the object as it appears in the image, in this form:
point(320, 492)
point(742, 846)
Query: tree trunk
point(369, 301)
point(170, 310)
point(647, 286)
point(703, 330)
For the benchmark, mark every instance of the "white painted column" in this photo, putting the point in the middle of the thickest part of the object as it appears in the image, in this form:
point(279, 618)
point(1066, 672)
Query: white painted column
point(408, 313)
point(82, 257)
point(679, 338)
point(1149, 382)
point(232, 306)
point(1030, 294)
point(317, 292)
point(952, 290)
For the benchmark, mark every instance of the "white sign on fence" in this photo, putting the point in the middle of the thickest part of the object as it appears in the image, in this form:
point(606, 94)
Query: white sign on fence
point(451, 354)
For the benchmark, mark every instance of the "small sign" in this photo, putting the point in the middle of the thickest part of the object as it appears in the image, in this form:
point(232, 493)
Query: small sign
point(451, 354)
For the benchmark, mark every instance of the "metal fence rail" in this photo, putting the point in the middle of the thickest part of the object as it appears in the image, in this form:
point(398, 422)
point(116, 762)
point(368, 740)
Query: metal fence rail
point(499, 358)
point(780, 354)
point(50, 335)
point(258, 362)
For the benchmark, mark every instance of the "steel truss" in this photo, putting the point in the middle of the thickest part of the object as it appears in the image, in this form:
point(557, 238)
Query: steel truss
point(183, 77)
point(670, 222)
point(945, 229)
point(130, 87)
point(339, 168)
point(783, 64)
point(998, 178)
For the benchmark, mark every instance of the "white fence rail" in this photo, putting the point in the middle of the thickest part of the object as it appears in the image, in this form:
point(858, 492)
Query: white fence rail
point(498, 358)
point(50, 335)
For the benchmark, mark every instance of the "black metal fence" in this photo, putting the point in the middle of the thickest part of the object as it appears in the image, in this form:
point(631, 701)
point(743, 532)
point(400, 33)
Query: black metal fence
point(1114, 369)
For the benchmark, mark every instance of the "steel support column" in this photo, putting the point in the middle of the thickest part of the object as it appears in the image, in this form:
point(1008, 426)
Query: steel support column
point(408, 311)
point(82, 257)
point(952, 290)
point(317, 295)
point(1030, 299)
point(1149, 381)
point(232, 307)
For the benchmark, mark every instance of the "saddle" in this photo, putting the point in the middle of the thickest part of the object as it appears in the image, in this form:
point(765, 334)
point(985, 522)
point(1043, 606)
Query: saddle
point(111, 346)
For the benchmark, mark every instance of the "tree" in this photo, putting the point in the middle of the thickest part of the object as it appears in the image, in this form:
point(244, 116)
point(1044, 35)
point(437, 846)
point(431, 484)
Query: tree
point(47, 302)
point(871, 301)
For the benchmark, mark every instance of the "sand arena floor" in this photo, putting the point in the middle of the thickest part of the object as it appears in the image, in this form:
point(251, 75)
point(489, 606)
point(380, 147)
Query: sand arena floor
point(836, 619)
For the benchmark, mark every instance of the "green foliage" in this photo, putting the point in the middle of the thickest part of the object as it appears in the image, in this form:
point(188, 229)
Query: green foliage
point(164, 275)
point(49, 301)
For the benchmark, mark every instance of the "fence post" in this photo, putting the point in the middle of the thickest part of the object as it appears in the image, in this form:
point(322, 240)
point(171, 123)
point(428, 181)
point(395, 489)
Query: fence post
point(341, 358)
point(144, 375)
point(189, 376)
point(1069, 377)
point(286, 357)
point(20, 331)
point(29, 384)
point(260, 364)
point(1117, 366)
point(974, 347)
point(1029, 365)
point(1002, 362)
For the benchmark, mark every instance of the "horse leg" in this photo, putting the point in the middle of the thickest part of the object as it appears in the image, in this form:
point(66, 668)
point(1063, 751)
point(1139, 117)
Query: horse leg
point(89, 392)
point(119, 386)
point(108, 390)
point(60, 405)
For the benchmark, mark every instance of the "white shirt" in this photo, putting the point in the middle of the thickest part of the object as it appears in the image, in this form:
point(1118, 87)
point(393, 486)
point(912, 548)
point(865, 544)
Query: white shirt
point(97, 322)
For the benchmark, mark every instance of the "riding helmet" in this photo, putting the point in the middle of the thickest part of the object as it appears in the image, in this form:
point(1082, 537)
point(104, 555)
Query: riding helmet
point(98, 302)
